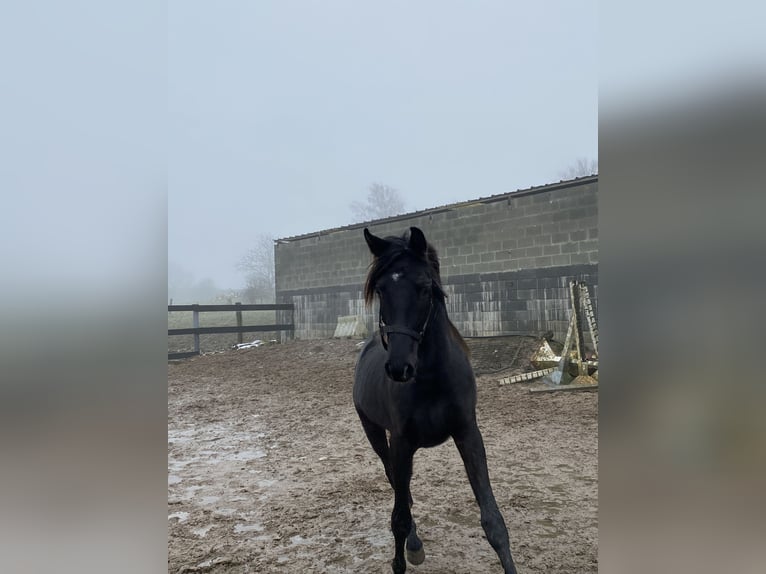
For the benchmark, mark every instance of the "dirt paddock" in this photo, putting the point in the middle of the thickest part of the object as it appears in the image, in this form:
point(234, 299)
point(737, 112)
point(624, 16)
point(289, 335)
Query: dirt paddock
point(270, 471)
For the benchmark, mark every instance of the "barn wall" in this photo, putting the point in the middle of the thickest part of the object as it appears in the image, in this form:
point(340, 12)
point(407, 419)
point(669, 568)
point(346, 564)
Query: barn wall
point(505, 262)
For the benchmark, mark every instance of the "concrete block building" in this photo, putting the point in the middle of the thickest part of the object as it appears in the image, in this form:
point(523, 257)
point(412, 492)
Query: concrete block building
point(506, 261)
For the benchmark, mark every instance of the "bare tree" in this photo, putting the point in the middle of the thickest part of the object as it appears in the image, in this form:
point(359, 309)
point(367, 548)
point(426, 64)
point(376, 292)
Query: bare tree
point(258, 266)
point(581, 168)
point(382, 201)
point(183, 287)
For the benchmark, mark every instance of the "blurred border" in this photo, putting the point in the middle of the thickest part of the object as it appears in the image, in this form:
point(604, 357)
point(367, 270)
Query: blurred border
point(682, 127)
point(83, 252)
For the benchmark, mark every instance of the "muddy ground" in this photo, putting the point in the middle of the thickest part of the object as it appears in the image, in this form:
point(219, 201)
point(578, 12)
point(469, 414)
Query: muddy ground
point(270, 471)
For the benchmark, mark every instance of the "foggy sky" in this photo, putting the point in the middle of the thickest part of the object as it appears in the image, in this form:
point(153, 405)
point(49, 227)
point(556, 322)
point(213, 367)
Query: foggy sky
point(282, 113)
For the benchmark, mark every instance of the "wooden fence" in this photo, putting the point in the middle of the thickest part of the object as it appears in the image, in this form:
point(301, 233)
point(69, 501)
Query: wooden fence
point(239, 328)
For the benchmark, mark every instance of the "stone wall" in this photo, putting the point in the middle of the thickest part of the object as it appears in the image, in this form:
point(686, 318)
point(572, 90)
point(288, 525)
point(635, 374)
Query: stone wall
point(506, 261)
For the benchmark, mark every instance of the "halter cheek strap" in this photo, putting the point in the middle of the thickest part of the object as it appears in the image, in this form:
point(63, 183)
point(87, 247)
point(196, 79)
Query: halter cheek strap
point(417, 335)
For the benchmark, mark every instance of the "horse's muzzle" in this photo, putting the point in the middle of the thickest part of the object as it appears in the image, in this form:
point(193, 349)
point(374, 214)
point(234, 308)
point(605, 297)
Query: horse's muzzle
point(400, 373)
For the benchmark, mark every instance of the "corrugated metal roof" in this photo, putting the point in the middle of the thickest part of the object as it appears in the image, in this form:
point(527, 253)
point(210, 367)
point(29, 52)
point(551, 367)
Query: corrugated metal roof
point(450, 207)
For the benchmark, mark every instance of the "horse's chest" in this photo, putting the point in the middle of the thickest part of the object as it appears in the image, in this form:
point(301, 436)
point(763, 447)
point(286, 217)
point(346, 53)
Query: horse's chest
point(430, 425)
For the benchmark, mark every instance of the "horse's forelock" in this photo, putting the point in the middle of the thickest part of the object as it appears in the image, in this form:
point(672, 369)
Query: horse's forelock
point(397, 247)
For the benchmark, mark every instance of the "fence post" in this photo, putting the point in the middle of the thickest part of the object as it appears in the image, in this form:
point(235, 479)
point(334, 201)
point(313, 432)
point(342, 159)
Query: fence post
point(195, 319)
point(239, 322)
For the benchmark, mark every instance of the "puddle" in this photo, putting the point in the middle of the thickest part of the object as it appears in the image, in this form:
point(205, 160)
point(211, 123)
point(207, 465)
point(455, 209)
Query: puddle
point(180, 436)
point(549, 529)
point(181, 516)
point(204, 565)
point(240, 528)
point(246, 455)
point(296, 540)
point(546, 505)
point(226, 511)
point(379, 538)
point(461, 519)
point(209, 499)
point(202, 532)
point(189, 492)
point(179, 464)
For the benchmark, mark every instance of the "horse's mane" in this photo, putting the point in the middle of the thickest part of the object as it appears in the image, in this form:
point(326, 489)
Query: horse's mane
point(398, 246)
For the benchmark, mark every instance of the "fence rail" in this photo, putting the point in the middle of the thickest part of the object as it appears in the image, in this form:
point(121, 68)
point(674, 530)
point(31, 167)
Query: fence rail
point(239, 328)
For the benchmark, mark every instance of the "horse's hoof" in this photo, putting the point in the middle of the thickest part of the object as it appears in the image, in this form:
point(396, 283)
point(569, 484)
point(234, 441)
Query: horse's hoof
point(416, 557)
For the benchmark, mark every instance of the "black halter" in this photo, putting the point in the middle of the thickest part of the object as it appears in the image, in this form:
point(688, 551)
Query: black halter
point(417, 335)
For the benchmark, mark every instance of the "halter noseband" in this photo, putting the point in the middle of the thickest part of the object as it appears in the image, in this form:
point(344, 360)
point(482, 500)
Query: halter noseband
point(417, 335)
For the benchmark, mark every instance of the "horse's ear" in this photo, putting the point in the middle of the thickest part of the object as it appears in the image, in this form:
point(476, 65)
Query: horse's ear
point(418, 242)
point(377, 245)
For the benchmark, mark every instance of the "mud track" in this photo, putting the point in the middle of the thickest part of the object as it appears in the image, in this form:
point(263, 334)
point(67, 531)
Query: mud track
point(270, 471)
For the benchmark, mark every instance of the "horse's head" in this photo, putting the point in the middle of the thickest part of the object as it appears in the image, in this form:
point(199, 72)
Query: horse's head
point(404, 275)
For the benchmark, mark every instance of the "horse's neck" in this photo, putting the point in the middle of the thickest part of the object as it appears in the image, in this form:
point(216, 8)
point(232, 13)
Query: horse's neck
point(437, 340)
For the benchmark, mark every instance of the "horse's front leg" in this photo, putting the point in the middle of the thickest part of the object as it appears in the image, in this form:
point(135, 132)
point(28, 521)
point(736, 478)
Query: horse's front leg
point(471, 447)
point(401, 453)
point(377, 437)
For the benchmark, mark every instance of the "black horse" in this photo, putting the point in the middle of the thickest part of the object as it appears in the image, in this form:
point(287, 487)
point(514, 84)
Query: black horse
point(415, 381)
